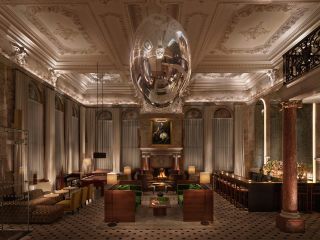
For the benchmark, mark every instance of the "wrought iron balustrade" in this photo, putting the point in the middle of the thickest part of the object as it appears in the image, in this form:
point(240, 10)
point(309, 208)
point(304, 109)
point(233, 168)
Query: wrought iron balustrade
point(303, 57)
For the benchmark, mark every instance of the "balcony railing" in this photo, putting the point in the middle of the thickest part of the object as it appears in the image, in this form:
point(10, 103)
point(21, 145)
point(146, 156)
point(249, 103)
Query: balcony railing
point(302, 58)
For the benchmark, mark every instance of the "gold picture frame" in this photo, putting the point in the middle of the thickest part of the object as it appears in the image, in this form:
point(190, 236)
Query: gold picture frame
point(161, 131)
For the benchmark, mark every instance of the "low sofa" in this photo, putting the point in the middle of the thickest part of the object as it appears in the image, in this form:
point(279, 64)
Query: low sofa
point(196, 201)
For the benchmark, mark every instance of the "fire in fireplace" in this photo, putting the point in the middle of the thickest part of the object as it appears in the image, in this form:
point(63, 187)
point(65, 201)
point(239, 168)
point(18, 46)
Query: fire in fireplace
point(162, 173)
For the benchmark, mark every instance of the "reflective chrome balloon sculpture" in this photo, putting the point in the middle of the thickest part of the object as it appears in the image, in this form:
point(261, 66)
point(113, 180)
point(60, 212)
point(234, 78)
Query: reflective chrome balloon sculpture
point(160, 61)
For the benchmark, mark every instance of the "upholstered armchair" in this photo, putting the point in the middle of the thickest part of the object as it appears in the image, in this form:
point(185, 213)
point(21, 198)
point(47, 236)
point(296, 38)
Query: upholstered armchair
point(72, 204)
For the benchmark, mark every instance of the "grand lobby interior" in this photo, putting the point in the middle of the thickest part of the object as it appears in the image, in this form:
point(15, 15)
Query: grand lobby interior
point(159, 119)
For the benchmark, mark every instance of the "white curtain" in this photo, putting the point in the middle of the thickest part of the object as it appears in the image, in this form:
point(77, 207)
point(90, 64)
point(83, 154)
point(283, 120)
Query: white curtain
point(90, 137)
point(68, 136)
point(50, 137)
point(35, 127)
point(239, 163)
point(130, 143)
point(60, 146)
point(193, 143)
point(223, 144)
point(75, 144)
point(104, 144)
point(21, 105)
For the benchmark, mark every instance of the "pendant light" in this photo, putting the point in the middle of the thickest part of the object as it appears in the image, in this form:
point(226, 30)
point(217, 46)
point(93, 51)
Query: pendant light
point(98, 154)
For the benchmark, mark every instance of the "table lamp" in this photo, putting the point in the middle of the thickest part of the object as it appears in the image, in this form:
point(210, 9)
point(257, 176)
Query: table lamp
point(204, 177)
point(112, 178)
point(86, 165)
point(191, 169)
point(127, 170)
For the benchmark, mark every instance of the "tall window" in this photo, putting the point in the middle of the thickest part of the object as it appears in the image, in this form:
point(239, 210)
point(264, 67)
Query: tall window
point(193, 139)
point(223, 140)
point(104, 139)
point(259, 135)
point(59, 141)
point(75, 138)
point(130, 152)
point(35, 127)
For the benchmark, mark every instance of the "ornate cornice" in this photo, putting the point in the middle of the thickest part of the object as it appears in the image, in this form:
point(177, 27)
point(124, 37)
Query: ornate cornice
point(291, 104)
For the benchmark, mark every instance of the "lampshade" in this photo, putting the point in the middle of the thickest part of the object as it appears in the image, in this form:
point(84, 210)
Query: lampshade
point(86, 164)
point(191, 169)
point(112, 178)
point(204, 177)
point(127, 170)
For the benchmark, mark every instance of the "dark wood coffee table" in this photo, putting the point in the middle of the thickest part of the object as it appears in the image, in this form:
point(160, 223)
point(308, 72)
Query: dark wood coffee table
point(159, 205)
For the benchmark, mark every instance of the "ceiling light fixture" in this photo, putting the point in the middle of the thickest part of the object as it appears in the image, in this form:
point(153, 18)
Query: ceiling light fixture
point(98, 154)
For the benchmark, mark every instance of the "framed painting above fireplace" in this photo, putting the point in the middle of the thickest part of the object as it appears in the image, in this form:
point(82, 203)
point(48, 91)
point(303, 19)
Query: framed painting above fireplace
point(161, 131)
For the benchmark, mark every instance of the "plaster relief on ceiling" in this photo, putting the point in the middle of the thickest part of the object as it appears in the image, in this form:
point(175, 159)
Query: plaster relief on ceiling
point(106, 78)
point(68, 37)
point(117, 31)
point(254, 32)
point(257, 38)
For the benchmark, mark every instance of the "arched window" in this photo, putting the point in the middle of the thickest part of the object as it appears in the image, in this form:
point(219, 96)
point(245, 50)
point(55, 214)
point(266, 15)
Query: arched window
point(59, 103)
point(35, 92)
point(130, 152)
point(223, 140)
point(193, 139)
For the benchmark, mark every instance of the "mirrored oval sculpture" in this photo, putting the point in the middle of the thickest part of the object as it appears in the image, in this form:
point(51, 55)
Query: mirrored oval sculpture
point(160, 62)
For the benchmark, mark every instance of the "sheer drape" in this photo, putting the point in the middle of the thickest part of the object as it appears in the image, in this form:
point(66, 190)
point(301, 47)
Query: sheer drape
point(60, 146)
point(90, 123)
point(130, 143)
point(239, 163)
point(193, 143)
point(68, 128)
point(75, 144)
point(35, 127)
point(104, 144)
point(223, 144)
point(50, 137)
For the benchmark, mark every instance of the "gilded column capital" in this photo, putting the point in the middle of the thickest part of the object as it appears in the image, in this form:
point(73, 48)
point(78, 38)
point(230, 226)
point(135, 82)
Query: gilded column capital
point(291, 104)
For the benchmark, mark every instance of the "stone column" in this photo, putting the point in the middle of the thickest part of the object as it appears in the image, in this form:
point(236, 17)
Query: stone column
point(176, 162)
point(145, 161)
point(289, 219)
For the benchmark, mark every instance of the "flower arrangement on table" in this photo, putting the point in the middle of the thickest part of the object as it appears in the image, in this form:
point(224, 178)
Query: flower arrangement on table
point(273, 168)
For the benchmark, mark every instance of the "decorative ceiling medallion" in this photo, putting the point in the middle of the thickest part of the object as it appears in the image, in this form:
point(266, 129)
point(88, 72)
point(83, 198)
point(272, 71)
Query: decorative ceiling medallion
point(64, 32)
point(252, 33)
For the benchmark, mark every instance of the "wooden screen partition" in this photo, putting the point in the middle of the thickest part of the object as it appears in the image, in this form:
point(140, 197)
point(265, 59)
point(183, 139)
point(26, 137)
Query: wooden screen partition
point(119, 206)
point(197, 205)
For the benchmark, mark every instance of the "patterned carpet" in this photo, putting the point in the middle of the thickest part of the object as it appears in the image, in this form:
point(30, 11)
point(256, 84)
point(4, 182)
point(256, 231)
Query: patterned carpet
point(229, 223)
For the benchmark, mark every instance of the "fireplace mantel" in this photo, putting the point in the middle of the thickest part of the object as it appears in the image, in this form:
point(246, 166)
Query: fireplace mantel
point(161, 151)
point(170, 157)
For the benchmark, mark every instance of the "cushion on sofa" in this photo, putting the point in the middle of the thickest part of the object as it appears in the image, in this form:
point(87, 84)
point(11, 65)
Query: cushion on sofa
point(195, 186)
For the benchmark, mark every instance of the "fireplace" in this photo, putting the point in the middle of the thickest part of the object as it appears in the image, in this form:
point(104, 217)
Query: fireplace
point(166, 158)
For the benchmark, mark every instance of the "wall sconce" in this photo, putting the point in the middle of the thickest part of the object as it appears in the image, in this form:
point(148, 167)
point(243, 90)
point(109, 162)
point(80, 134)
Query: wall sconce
point(191, 170)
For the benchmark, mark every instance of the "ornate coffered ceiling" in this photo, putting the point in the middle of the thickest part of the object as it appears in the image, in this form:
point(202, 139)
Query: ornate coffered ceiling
point(236, 45)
